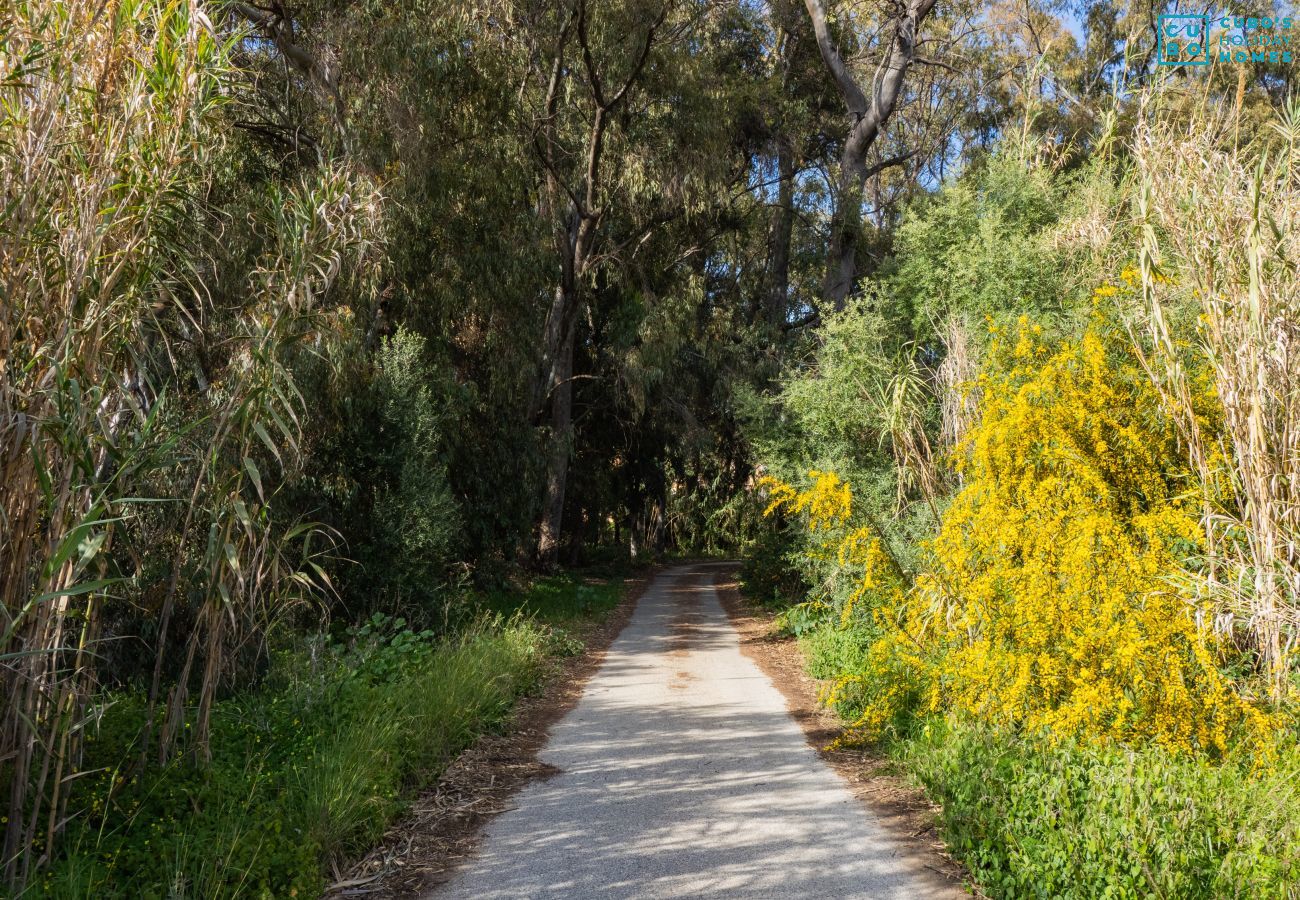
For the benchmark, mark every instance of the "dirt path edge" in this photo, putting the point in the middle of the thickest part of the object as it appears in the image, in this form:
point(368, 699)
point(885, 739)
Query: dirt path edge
point(424, 847)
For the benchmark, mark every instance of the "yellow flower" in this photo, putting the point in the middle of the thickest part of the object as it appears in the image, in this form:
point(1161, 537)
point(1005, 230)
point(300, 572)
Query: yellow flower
point(1050, 601)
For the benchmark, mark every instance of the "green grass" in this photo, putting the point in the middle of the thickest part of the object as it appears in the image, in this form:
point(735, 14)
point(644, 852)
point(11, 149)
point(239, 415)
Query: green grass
point(313, 766)
point(559, 599)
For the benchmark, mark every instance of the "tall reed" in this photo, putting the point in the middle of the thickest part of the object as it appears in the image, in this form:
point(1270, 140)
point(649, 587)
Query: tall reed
point(147, 333)
point(1219, 236)
point(99, 148)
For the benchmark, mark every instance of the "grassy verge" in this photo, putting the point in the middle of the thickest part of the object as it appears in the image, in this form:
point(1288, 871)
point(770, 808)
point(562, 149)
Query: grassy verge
point(314, 765)
point(1033, 818)
point(566, 600)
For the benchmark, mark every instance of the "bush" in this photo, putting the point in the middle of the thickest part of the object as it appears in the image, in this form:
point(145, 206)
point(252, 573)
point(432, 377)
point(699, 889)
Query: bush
point(982, 248)
point(1035, 818)
point(378, 478)
point(1052, 601)
point(770, 572)
point(1050, 597)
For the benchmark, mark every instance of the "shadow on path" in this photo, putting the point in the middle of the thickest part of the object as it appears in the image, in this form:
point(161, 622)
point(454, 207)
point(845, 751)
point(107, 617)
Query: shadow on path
point(681, 774)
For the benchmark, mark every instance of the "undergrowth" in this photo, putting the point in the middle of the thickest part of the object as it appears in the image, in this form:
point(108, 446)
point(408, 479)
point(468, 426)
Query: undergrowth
point(1050, 673)
point(1035, 818)
point(309, 769)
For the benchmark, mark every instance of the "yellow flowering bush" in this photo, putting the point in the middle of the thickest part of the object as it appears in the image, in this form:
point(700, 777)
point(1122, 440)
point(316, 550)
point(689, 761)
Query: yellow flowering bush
point(828, 501)
point(1054, 599)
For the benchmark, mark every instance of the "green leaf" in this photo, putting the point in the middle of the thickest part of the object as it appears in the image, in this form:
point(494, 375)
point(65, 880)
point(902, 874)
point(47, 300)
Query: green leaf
point(232, 557)
point(260, 430)
point(254, 473)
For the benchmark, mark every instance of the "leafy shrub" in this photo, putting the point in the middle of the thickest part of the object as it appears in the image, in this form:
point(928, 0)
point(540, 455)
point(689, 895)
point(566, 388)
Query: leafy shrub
point(379, 480)
point(310, 768)
point(1052, 601)
point(859, 409)
point(982, 248)
point(1049, 602)
point(557, 599)
point(1035, 818)
point(770, 572)
point(830, 650)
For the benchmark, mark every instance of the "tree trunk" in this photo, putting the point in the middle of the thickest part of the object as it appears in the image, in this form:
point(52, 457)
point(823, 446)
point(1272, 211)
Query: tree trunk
point(575, 236)
point(557, 462)
point(846, 224)
point(778, 288)
point(870, 113)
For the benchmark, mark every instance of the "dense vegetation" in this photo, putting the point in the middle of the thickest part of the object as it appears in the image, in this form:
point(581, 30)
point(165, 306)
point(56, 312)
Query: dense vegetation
point(316, 762)
point(1072, 621)
point(325, 324)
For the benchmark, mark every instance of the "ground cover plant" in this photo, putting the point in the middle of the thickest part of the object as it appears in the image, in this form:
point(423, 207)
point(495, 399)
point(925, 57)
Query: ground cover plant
point(313, 765)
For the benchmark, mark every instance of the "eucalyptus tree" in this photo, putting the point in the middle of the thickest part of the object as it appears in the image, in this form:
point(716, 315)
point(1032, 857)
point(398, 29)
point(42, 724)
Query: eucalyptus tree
point(602, 87)
point(606, 54)
point(798, 117)
point(925, 85)
point(898, 36)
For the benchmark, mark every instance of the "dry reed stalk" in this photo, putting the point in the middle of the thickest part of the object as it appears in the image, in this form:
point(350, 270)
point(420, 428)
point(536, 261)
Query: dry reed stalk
point(102, 106)
point(955, 383)
point(1220, 237)
point(106, 144)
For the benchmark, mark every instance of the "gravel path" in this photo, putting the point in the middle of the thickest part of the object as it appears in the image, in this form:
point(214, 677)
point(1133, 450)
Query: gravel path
point(681, 774)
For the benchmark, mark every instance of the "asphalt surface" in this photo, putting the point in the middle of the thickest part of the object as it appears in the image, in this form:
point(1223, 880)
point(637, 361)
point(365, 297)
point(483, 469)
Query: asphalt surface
point(681, 774)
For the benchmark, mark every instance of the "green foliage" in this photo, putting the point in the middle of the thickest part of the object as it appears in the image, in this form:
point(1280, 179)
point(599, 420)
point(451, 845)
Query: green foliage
point(413, 505)
point(981, 248)
point(275, 342)
point(770, 572)
point(1032, 816)
point(831, 649)
point(1034, 819)
point(378, 478)
point(843, 411)
point(558, 599)
point(838, 412)
point(835, 401)
point(312, 766)
point(841, 653)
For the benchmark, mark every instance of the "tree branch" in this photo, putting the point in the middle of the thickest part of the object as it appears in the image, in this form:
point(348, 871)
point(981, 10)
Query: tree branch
point(853, 97)
point(884, 164)
point(275, 24)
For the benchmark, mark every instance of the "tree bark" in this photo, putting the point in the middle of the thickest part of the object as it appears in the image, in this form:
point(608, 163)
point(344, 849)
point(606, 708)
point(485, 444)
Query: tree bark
point(869, 117)
point(557, 461)
point(575, 240)
point(778, 288)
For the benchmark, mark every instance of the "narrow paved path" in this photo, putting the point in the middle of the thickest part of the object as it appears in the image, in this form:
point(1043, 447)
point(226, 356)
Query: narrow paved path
point(681, 774)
